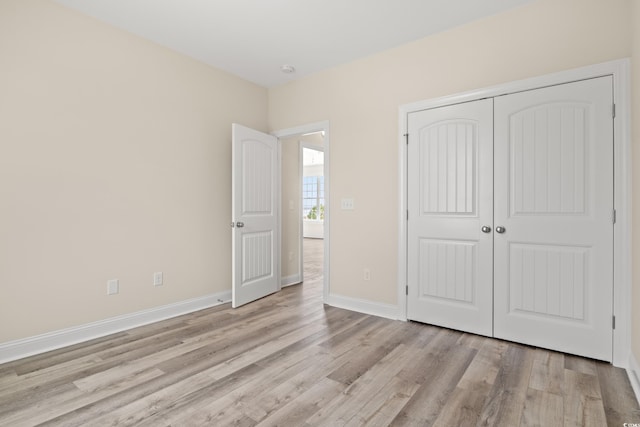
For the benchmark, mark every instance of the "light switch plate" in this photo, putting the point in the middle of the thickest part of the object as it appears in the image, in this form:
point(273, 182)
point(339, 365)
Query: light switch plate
point(347, 204)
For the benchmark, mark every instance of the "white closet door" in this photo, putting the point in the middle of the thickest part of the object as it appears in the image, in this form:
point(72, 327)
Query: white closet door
point(554, 198)
point(450, 187)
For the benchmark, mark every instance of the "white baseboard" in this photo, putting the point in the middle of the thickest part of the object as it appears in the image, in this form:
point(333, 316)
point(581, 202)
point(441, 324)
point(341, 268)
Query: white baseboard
point(633, 371)
point(364, 306)
point(18, 349)
point(294, 279)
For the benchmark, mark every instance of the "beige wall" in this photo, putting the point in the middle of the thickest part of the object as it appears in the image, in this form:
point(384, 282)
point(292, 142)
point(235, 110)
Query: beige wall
point(114, 163)
point(635, 110)
point(361, 101)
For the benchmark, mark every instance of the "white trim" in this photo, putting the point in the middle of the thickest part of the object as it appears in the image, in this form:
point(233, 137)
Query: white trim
point(278, 209)
point(308, 128)
point(620, 70)
point(403, 268)
point(633, 371)
point(294, 279)
point(18, 349)
point(300, 209)
point(622, 283)
point(364, 306)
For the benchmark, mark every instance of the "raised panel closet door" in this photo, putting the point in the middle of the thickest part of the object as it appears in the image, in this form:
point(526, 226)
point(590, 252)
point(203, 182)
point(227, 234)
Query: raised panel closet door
point(450, 184)
point(554, 199)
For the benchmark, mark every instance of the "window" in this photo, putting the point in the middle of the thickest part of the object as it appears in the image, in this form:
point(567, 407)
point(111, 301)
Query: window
point(313, 198)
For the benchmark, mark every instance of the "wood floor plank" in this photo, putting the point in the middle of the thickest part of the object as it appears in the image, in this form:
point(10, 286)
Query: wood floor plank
point(361, 391)
point(617, 395)
point(338, 323)
point(229, 406)
point(160, 395)
point(464, 406)
point(218, 414)
point(385, 405)
point(467, 400)
point(71, 399)
point(290, 360)
point(506, 398)
point(259, 398)
point(435, 353)
point(580, 364)
point(185, 392)
point(56, 357)
point(428, 401)
point(347, 339)
point(485, 366)
point(471, 341)
point(542, 409)
point(297, 411)
point(43, 376)
point(372, 349)
point(582, 400)
point(29, 391)
point(547, 372)
point(190, 393)
point(260, 406)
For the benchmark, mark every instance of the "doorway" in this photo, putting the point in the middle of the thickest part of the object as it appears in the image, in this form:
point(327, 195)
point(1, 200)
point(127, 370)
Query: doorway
point(304, 167)
point(313, 204)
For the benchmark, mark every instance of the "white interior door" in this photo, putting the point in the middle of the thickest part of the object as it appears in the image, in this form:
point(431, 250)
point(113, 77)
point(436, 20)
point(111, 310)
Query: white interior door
point(255, 201)
point(450, 191)
point(554, 199)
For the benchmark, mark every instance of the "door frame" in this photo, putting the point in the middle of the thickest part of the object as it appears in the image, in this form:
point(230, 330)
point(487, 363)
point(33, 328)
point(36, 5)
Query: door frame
point(620, 71)
point(299, 130)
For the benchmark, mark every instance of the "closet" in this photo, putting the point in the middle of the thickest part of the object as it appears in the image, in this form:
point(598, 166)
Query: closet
point(510, 217)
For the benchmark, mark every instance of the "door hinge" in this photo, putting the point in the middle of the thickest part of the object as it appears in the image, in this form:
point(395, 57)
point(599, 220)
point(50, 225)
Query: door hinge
point(613, 111)
point(614, 216)
point(406, 137)
point(613, 322)
point(406, 290)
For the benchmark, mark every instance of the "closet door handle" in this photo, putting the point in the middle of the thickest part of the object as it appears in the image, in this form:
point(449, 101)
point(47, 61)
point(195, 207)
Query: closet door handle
point(500, 229)
point(239, 224)
point(486, 229)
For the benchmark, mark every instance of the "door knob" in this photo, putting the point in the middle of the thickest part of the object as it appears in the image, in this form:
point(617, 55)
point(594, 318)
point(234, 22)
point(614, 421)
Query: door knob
point(239, 224)
point(500, 229)
point(486, 229)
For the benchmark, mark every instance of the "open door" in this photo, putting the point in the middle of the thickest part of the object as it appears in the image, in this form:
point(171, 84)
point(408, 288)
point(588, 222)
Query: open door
point(255, 201)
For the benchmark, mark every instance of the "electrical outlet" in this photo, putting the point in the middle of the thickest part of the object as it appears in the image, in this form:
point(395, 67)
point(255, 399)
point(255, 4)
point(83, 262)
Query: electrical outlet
point(366, 274)
point(157, 278)
point(113, 286)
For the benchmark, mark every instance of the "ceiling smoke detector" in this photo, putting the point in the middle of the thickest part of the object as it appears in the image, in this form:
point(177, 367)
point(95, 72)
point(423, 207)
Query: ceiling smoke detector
point(287, 69)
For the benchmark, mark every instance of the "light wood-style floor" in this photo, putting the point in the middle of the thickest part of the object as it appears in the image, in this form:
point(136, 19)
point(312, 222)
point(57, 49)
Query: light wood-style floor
point(288, 360)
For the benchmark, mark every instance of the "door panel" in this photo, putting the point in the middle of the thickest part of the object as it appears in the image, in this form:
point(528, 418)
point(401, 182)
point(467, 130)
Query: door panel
point(554, 198)
point(449, 200)
point(254, 211)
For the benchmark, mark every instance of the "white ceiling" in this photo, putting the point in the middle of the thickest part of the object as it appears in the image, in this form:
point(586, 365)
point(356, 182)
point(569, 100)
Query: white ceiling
point(253, 38)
